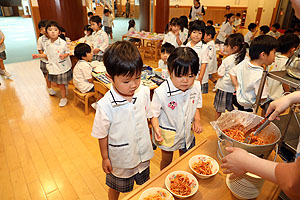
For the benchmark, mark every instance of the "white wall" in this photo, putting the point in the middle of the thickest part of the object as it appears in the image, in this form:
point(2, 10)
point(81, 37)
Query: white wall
point(241, 3)
point(267, 13)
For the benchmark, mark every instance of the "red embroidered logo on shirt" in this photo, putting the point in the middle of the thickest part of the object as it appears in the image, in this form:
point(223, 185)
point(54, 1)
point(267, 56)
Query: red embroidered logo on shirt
point(172, 105)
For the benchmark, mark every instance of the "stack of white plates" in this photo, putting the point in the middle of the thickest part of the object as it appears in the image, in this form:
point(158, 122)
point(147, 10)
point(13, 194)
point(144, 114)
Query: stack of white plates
point(247, 186)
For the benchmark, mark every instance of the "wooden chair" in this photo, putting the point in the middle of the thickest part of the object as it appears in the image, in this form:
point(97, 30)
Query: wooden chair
point(100, 89)
point(83, 98)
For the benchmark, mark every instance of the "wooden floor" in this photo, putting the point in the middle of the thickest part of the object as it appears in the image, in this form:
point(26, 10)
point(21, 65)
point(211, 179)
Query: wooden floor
point(47, 152)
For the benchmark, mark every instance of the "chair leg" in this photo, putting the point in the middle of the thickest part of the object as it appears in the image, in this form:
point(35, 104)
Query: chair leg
point(86, 106)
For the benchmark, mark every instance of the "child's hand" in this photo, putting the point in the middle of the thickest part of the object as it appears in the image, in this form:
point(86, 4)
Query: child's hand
point(95, 51)
point(35, 56)
point(197, 128)
point(157, 135)
point(62, 56)
point(106, 166)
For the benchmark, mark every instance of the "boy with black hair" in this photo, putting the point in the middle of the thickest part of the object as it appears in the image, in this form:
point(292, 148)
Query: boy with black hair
point(287, 45)
point(238, 21)
point(125, 145)
point(251, 33)
point(165, 51)
point(90, 15)
point(264, 30)
point(274, 30)
point(209, 23)
point(261, 52)
point(108, 23)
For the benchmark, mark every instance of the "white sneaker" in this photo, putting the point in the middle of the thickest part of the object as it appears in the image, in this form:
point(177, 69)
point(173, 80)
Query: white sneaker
point(63, 102)
point(51, 91)
point(94, 105)
point(7, 74)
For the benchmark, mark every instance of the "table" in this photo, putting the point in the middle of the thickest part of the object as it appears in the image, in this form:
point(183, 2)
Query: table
point(212, 188)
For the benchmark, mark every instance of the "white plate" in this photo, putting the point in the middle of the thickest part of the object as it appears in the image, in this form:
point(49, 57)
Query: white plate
point(152, 191)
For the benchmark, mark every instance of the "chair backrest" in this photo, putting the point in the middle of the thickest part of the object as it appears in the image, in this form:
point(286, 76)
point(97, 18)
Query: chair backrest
point(100, 87)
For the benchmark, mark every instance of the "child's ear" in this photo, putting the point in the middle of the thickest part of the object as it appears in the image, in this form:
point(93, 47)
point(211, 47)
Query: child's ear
point(292, 50)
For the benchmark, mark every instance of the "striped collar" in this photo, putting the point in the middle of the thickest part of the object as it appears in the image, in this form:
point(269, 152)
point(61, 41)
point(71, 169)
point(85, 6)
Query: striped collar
point(171, 89)
point(117, 100)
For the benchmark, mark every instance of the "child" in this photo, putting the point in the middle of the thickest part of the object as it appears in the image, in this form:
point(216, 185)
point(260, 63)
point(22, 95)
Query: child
point(175, 36)
point(209, 23)
point(165, 52)
point(41, 48)
point(261, 52)
point(176, 105)
point(3, 56)
point(197, 30)
point(274, 30)
point(237, 21)
point(236, 49)
point(90, 15)
point(88, 37)
point(63, 34)
point(251, 33)
point(59, 63)
point(226, 29)
point(212, 65)
point(125, 145)
point(184, 26)
point(108, 23)
point(100, 38)
point(264, 30)
point(131, 27)
point(287, 44)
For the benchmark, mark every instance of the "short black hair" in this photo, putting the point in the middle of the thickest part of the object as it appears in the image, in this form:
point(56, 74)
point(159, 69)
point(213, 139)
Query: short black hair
point(297, 30)
point(106, 11)
point(265, 29)
point(238, 14)
point(210, 30)
point(228, 16)
point(81, 50)
point(97, 19)
point(287, 42)
point(122, 58)
point(90, 14)
point(42, 23)
point(175, 22)
point(276, 25)
point(251, 26)
point(210, 22)
point(52, 23)
point(184, 22)
point(62, 30)
point(197, 25)
point(262, 43)
point(131, 23)
point(167, 47)
point(88, 28)
point(183, 59)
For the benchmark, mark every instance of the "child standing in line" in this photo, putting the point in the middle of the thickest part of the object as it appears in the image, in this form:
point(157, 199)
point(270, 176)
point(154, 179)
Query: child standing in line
point(41, 48)
point(236, 49)
point(184, 26)
point(226, 29)
point(176, 106)
point(165, 52)
point(125, 145)
point(174, 36)
point(108, 23)
point(59, 63)
point(3, 56)
point(197, 30)
point(274, 31)
point(251, 33)
point(100, 38)
point(261, 52)
point(264, 30)
point(88, 35)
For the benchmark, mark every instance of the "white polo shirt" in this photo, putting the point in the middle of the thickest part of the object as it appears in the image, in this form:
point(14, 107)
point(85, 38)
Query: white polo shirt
point(249, 77)
point(125, 124)
point(170, 37)
point(276, 34)
point(175, 110)
point(225, 84)
point(234, 68)
point(212, 65)
point(55, 65)
point(202, 50)
point(275, 87)
point(226, 29)
point(41, 43)
point(81, 73)
point(247, 37)
point(100, 41)
point(2, 46)
point(107, 21)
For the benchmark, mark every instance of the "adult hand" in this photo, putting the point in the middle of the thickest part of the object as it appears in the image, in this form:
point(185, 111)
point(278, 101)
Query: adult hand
point(278, 106)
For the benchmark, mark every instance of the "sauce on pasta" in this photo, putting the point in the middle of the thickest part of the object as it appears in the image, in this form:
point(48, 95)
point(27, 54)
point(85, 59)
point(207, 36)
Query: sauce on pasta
point(202, 167)
point(180, 185)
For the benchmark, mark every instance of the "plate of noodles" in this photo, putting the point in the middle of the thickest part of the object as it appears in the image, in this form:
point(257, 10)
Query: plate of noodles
point(181, 184)
point(156, 193)
point(204, 166)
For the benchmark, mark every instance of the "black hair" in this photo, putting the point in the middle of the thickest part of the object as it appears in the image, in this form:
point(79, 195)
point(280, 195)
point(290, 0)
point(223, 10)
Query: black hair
point(122, 58)
point(88, 28)
point(167, 47)
point(131, 23)
point(42, 23)
point(210, 22)
point(97, 19)
point(228, 16)
point(210, 30)
point(237, 39)
point(184, 22)
point(175, 22)
point(289, 30)
point(297, 30)
point(287, 42)
point(262, 43)
point(106, 11)
point(238, 14)
point(183, 59)
point(276, 25)
point(251, 26)
point(198, 1)
point(265, 29)
point(90, 14)
point(52, 23)
point(81, 50)
point(62, 29)
point(197, 25)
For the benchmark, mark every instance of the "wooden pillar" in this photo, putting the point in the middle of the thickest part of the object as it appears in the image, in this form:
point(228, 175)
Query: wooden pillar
point(144, 15)
point(161, 16)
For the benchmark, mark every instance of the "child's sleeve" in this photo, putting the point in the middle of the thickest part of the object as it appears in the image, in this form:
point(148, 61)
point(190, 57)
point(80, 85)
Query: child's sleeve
point(66, 48)
point(210, 52)
point(155, 105)
point(87, 73)
point(148, 104)
point(233, 70)
point(204, 56)
point(39, 44)
point(222, 68)
point(104, 44)
point(223, 28)
point(101, 124)
point(199, 101)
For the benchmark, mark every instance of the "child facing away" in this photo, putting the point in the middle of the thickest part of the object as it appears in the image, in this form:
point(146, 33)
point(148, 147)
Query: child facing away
point(274, 31)
point(59, 63)
point(131, 27)
point(226, 29)
point(264, 30)
point(41, 48)
point(184, 26)
point(88, 35)
point(176, 106)
point(251, 33)
point(287, 45)
point(174, 36)
point(3, 56)
point(249, 74)
point(100, 38)
point(209, 23)
point(237, 21)
point(197, 30)
point(119, 138)
point(236, 49)
point(108, 23)
point(165, 52)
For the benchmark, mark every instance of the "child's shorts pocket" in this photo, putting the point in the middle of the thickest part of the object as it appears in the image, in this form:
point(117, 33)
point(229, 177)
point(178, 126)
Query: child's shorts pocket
point(168, 135)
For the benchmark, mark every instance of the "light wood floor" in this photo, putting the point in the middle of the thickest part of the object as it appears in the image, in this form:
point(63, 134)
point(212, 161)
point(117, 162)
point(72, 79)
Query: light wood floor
point(47, 152)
